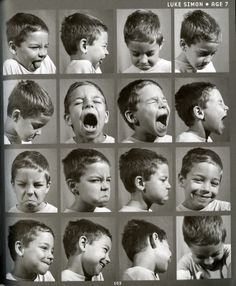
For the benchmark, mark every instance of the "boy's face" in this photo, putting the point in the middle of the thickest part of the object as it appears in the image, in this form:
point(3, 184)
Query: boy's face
point(28, 128)
point(32, 51)
point(153, 111)
point(38, 254)
point(96, 256)
point(158, 186)
point(208, 256)
point(97, 52)
point(163, 256)
point(30, 187)
point(215, 112)
point(94, 185)
point(199, 55)
point(201, 184)
point(88, 113)
point(144, 55)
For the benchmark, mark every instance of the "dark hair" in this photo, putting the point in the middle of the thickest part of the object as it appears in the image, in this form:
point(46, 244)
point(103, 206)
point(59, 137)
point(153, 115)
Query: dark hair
point(82, 227)
point(138, 162)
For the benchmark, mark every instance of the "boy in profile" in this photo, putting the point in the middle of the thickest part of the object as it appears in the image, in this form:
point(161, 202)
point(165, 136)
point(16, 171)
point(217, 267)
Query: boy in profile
point(200, 177)
point(145, 175)
point(31, 245)
point(87, 174)
point(30, 179)
point(85, 39)
point(147, 248)
point(200, 37)
point(202, 108)
point(27, 37)
point(86, 112)
point(145, 109)
point(143, 37)
point(29, 109)
point(87, 246)
point(209, 257)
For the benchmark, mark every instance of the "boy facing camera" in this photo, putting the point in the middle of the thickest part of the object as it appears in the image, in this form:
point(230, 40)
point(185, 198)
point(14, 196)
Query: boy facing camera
point(87, 246)
point(147, 248)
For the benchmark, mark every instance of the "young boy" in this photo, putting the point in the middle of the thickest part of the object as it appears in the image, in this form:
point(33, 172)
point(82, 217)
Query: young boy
point(146, 246)
point(29, 109)
point(30, 179)
point(85, 39)
point(209, 258)
point(27, 37)
point(200, 177)
point(143, 37)
point(86, 112)
point(201, 107)
point(145, 109)
point(145, 175)
point(31, 245)
point(87, 174)
point(200, 37)
point(87, 247)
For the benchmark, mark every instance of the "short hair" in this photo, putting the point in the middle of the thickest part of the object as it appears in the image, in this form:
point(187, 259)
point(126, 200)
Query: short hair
point(129, 96)
point(25, 231)
point(76, 162)
point(203, 230)
point(80, 26)
point(143, 26)
point(199, 155)
point(30, 160)
point(199, 26)
point(83, 227)
point(138, 162)
point(21, 24)
point(189, 96)
point(75, 85)
point(136, 234)
point(31, 99)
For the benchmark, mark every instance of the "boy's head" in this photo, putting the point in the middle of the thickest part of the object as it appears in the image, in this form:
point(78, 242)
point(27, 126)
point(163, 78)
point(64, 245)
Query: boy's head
point(27, 37)
point(205, 236)
point(30, 107)
point(31, 245)
point(142, 236)
point(144, 107)
point(201, 101)
point(30, 180)
point(200, 177)
point(92, 240)
point(145, 171)
point(86, 37)
point(200, 36)
point(143, 38)
point(86, 110)
point(87, 174)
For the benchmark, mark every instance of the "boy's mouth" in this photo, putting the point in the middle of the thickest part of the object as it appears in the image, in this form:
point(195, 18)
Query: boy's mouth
point(37, 64)
point(90, 122)
point(162, 120)
point(203, 195)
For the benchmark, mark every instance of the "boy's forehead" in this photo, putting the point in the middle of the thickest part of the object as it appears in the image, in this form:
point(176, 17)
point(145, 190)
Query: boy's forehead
point(85, 91)
point(206, 250)
point(206, 163)
point(150, 90)
point(205, 46)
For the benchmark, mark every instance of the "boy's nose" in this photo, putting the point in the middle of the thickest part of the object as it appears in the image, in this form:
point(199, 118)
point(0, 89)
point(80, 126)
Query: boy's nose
point(50, 255)
point(208, 261)
point(38, 131)
point(30, 190)
point(43, 52)
point(106, 52)
point(108, 260)
point(105, 186)
point(226, 107)
point(143, 59)
point(88, 104)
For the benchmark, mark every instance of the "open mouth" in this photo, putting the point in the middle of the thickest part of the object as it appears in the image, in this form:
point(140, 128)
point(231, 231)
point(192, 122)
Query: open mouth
point(203, 195)
point(102, 264)
point(162, 120)
point(37, 64)
point(90, 122)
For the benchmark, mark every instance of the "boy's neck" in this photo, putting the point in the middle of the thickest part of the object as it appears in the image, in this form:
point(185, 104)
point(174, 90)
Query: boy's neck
point(138, 202)
point(143, 136)
point(144, 259)
point(31, 210)
point(10, 132)
point(198, 128)
point(183, 59)
point(81, 206)
point(100, 139)
point(20, 273)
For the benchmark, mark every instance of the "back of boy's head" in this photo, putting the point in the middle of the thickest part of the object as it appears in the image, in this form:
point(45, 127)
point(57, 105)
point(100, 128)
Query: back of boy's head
point(199, 155)
point(138, 162)
point(189, 96)
point(76, 162)
point(31, 99)
point(129, 96)
point(199, 26)
point(74, 86)
point(21, 24)
point(143, 26)
point(136, 235)
point(203, 230)
point(30, 160)
point(25, 231)
point(80, 26)
point(83, 227)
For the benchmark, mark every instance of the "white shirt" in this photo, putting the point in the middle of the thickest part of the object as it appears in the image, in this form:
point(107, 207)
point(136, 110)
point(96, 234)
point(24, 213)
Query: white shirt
point(164, 139)
point(68, 275)
point(108, 139)
point(161, 66)
point(81, 66)
point(215, 205)
point(190, 136)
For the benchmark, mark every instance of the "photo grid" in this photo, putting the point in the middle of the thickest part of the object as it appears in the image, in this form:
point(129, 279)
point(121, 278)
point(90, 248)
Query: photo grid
point(117, 142)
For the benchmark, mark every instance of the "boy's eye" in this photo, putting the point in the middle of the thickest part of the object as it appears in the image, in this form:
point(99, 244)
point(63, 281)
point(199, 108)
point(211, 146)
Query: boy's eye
point(149, 54)
point(37, 126)
point(215, 183)
point(198, 180)
point(21, 184)
point(108, 179)
point(135, 54)
point(38, 185)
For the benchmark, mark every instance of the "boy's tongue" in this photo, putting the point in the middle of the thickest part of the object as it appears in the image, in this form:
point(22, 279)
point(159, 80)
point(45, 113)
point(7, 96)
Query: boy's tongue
point(37, 64)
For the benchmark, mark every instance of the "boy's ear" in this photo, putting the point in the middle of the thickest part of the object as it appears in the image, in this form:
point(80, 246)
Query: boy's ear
point(12, 47)
point(129, 115)
point(183, 45)
point(16, 115)
point(68, 119)
point(181, 180)
point(19, 248)
point(106, 116)
point(83, 241)
point(83, 45)
point(72, 186)
point(198, 112)
point(139, 183)
point(48, 186)
point(154, 239)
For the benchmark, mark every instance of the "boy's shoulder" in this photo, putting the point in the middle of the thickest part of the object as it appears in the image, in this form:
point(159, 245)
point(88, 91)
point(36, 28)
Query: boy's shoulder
point(68, 275)
point(108, 139)
point(190, 136)
point(184, 67)
point(161, 66)
point(139, 273)
point(133, 209)
point(47, 209)
point(215, 205)
point(81, 66)
point(40, 278)
point(131, 139)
